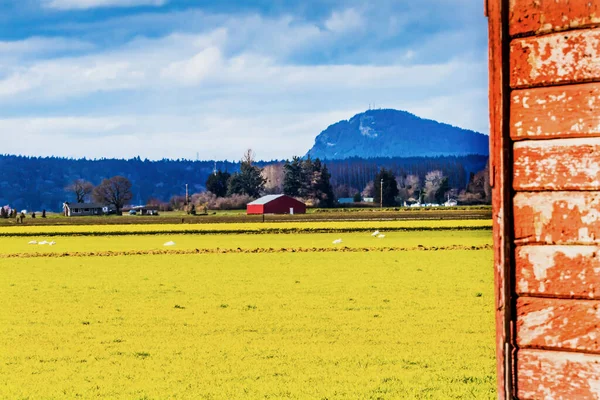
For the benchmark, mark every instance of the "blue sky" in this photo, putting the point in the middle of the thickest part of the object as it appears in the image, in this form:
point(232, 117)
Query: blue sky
point(173, 78)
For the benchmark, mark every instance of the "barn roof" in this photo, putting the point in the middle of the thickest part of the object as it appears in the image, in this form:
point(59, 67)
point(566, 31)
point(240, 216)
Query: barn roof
point(266, 199)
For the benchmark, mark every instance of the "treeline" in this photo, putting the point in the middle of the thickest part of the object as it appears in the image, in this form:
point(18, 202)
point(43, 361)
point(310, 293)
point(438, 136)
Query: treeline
point(305, 179)
point(357, 172)
point(36, 183)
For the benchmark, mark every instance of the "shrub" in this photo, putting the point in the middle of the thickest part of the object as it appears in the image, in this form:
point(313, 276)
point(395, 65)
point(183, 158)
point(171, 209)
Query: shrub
point(212, 202)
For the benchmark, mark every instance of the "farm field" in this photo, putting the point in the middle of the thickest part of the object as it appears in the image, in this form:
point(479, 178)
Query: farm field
point(336, 325)
point(406, 240)
point(322, 226)
point(239, 216)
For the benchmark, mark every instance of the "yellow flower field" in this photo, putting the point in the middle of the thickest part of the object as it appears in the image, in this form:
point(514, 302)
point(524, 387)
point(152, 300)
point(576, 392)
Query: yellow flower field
point(12, 244)
point(385, 325)
point(406, 324)
point(246, 227)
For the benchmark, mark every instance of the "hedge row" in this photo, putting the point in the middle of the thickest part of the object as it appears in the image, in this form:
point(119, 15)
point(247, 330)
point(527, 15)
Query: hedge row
point(299, 230)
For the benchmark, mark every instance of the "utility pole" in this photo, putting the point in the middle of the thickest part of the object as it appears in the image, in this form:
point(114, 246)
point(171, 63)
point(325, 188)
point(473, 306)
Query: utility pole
point(381, 194)
point(187, 198)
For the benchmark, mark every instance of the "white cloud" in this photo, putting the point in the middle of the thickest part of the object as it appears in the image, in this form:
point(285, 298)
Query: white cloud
point(41, 46)
point(241, 82)
point(173, 136)
point(195, 69)
point(198, 61)
point(344, 21)
point(86, 4)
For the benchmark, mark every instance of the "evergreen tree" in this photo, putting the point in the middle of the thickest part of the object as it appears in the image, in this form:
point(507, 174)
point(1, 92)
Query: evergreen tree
point(310, 180)
point(292, 181)
point(441, 192)
point(249, 180)
point(217, 183)
point(307, 170)
point(235, 184)
point(322, 186)
point(318, 185)
point(390, 188)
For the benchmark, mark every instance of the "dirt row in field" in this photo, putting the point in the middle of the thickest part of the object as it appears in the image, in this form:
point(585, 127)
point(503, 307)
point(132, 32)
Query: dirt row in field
point(245, 251)
point(248, 231)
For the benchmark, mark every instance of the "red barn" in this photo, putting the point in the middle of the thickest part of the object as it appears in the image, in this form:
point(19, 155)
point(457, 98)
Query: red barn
point(276, 204)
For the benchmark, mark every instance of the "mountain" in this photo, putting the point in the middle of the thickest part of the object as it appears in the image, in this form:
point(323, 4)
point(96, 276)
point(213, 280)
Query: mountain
point(393, 133)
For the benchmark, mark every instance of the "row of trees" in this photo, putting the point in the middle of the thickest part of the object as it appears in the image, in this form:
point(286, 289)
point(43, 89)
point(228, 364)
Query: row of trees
point(115, 191)
point(249, 181)
point(309, 180)
point(306, 179)
point(434, 188)
point(390, 190)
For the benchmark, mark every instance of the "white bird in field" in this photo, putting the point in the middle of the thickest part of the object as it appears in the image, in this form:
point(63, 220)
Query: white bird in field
point(170, 243)
point(33, 242)
point(52, 243)
point(43, 242)
point(381, 236)
point(375, 233)
point(337, 241)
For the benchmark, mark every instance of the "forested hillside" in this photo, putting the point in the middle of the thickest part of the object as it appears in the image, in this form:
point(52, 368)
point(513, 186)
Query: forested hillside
point(395, 133)
point(36, 183)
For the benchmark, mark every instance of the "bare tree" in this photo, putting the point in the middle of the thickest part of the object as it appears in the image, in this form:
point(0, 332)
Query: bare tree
point(274, 176)
point(248, 157)
point(436, 185)
point(369, 190)
point(412, 183)
point(115, 191)
point(81, 188)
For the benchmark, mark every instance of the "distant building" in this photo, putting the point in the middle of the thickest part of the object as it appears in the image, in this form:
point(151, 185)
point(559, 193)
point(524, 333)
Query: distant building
point(451, 203)
point(368, 200)
point(276, 204)
point(345, 200)
point(142, 210)
point(82, 209)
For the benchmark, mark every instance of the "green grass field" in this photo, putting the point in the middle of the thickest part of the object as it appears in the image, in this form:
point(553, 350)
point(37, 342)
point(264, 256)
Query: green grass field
point(380, 325)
